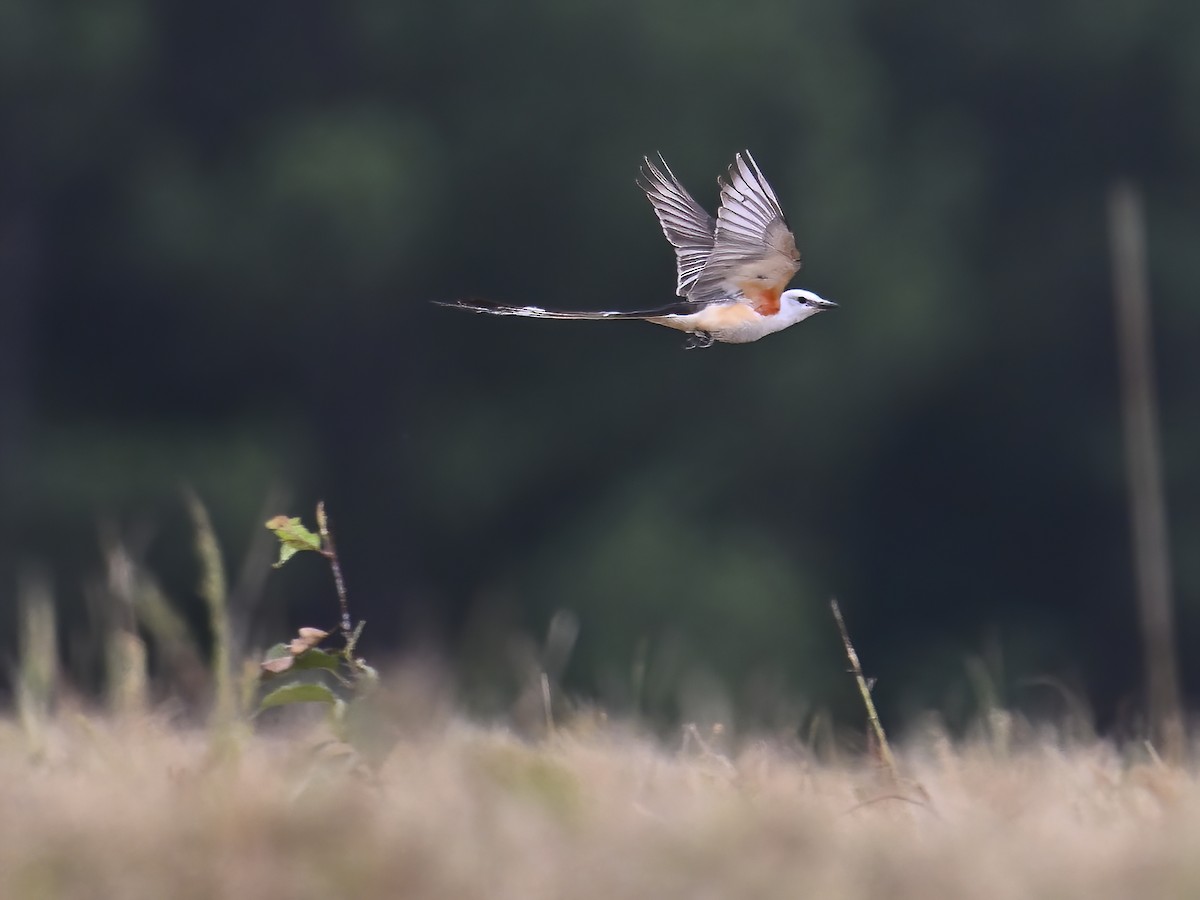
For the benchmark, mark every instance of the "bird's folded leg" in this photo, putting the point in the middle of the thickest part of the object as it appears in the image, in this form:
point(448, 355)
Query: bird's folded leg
point(698, 340)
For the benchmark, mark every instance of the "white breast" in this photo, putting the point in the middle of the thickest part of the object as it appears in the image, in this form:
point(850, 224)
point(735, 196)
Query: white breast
point(731, 323)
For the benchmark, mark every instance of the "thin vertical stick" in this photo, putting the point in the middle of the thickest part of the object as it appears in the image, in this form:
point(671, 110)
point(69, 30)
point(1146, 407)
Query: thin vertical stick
point(885, 750)
point(330, 553)
point(1139, 412)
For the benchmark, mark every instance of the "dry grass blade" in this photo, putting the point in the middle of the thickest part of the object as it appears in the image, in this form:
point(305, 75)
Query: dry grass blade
point(216, 597)
point(885, 750)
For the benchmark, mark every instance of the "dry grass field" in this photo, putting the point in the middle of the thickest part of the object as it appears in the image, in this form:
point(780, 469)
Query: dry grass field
point(133, 808)
point(138, 806)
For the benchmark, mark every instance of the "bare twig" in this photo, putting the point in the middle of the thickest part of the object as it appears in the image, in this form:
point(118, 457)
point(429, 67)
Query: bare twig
point(329, 550)
point(1139, 410)
point(351, 645)
point(885, 750)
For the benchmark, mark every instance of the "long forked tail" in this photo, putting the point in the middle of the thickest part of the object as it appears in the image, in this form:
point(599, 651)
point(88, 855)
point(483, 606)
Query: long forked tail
point(537, 312)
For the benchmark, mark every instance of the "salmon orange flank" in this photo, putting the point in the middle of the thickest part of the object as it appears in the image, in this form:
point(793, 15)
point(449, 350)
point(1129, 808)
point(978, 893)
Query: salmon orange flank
point(765, 300)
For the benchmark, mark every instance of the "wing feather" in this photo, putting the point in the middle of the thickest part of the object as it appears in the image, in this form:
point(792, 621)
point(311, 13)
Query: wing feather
point(686, 224)
point(754, 251)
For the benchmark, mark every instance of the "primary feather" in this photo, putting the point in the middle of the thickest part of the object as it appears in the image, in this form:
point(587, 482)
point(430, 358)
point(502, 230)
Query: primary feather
point(689, 228)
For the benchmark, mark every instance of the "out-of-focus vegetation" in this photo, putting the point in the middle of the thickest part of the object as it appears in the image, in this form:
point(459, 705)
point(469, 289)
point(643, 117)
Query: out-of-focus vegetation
point(131, 809)
point(220, 225)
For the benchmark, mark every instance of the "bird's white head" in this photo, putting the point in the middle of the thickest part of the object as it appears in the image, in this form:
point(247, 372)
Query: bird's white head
point(798, 305)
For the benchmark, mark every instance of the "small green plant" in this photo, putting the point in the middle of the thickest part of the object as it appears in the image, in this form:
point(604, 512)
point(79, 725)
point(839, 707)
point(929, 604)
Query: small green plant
point(302, 671)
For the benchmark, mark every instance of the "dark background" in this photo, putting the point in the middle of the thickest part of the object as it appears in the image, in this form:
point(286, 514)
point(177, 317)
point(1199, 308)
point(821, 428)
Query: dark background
point(221, 225)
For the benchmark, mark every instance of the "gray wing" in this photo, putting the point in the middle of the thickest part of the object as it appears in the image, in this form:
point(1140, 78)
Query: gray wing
point(754, 252)
point(684, 221)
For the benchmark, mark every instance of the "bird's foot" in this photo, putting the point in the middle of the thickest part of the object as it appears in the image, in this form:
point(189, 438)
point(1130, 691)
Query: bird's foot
point(698, 340)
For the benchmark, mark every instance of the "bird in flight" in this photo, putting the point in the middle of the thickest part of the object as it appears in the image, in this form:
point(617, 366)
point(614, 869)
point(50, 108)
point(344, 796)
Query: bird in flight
point(733, 270)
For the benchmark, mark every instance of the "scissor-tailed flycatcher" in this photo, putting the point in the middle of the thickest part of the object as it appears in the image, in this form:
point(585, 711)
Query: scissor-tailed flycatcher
point(732, 269)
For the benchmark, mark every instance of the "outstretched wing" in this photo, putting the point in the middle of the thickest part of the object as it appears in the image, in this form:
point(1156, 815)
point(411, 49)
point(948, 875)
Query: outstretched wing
point(754, 254)
point(685, 223)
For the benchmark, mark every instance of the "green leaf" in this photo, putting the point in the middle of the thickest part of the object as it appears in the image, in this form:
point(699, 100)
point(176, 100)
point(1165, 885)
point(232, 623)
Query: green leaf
point(281, 658)
point(297, 693)
point(277, 661)
point(278, 651)
point(293, 537)
point(317, 659)
point(278, 665)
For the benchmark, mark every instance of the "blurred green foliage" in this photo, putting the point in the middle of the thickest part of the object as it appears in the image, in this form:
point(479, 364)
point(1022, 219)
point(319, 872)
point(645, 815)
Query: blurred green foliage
point(222, 224)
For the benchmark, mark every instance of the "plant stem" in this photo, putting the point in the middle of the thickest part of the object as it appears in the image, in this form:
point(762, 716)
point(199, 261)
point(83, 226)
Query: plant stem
point(330, 552)
point(885, 750)
point(1147, 498)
